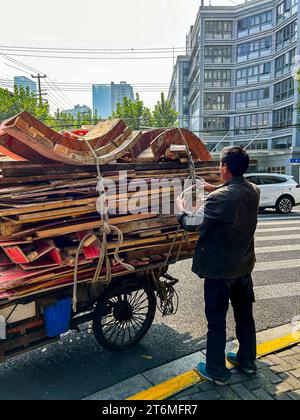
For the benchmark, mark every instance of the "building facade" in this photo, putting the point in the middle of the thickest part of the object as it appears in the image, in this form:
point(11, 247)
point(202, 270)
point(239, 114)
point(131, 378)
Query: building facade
point(107, 96)
point(242, 85)
point(78, 109)
point(25, 82)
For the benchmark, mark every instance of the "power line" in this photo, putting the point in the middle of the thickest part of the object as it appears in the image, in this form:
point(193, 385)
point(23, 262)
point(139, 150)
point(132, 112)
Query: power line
point(96, 50)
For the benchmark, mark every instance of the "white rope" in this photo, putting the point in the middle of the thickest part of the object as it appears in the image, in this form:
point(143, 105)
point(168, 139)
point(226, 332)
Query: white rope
point(105, 230)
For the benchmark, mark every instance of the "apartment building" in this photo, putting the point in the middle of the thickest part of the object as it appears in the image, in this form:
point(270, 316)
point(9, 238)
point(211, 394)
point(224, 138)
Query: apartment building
point(242, 83)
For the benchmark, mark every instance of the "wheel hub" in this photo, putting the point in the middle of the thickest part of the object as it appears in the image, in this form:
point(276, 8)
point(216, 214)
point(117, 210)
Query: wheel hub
point(123, 311)
point(285, 206)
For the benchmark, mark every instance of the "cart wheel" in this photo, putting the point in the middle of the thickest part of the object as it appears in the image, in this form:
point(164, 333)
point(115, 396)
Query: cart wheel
point(124, 314)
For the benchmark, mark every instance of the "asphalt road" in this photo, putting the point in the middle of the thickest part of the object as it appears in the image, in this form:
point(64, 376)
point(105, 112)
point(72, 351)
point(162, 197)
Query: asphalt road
point(77, 367)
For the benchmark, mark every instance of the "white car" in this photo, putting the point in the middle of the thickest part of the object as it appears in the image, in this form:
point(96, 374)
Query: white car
point(277, 191)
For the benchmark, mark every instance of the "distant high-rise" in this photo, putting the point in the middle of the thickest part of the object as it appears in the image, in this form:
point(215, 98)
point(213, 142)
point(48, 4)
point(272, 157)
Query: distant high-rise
point(24, 82)
point(107, 96)
point(78, 109)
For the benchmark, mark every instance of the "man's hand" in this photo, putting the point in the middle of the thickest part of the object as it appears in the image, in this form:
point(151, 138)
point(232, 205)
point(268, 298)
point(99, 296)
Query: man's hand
point(208, 187)
point(181, 204)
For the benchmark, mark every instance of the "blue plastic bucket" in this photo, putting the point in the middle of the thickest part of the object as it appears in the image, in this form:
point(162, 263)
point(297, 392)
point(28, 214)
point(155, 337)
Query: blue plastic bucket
point(57, 317)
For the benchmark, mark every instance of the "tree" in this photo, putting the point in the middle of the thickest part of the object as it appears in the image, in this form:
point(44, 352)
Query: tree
point(21, 100)
point(134, 113)
point(164, 115)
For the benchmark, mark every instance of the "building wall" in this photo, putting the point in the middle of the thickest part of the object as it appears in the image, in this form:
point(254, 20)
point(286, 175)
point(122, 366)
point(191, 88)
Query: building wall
point(107, 96)
point(25, 83)
point(78, 109)
point(241, 84)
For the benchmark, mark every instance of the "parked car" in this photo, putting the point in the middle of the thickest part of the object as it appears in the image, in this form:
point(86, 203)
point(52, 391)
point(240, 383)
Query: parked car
point(277, 191)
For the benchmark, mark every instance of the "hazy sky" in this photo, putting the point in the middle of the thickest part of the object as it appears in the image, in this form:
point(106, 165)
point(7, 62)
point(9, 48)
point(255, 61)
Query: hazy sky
point(98, 24)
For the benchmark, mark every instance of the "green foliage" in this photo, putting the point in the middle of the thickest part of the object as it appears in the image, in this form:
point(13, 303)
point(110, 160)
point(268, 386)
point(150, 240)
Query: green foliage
point(134, 112)
point(21, 100)
point(164, 115)
point(138, 116)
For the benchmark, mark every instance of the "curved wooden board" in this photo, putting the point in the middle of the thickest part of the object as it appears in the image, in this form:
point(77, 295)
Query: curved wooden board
point(38, 142)
point(172, 136)
point(145, 141)
point(12, 148)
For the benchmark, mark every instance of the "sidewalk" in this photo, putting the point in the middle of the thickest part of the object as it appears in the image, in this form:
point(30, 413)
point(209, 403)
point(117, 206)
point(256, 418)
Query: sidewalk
point(278, 376)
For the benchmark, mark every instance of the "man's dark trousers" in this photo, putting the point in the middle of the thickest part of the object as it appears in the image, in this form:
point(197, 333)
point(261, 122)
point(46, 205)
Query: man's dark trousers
point(218, 293)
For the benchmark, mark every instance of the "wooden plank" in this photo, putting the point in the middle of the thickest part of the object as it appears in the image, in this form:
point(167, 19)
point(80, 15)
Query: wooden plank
point(91, 250)
point(91, 225)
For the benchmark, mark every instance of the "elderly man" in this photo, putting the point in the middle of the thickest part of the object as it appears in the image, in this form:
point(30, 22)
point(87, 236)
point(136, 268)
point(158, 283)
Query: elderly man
point(225, 258)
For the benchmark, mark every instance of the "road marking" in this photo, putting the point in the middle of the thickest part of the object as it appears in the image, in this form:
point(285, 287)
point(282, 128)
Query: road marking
point(190, 378)
point(276, 238)
point(277, 265)
point(275, 291)
point(284, 229)
point(260, 224)
point(265, 219)
point(281, 248)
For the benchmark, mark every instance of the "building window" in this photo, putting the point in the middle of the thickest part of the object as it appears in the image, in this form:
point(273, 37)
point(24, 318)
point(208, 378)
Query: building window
point(286, 35)
point(254, 49)
point(216, 101)
point(282, 142)
point(283, 118)
point(195, 107)
point(251, 123)
point(218, 55)
point(285, 62)
point(258, 145)
point(215, 126)
point(286, 9)
point(284, 90)
point(217, 78)
point(277, 170)
point(252, 98)
point(255, 24)
point(218, 29)
point(216, 147)
point(253, 74)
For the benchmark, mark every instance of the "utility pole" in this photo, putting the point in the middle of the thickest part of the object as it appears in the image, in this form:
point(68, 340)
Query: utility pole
point(39, 77)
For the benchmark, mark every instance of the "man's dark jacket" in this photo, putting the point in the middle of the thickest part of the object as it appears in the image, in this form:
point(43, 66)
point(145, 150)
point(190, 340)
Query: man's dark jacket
point(226, 225)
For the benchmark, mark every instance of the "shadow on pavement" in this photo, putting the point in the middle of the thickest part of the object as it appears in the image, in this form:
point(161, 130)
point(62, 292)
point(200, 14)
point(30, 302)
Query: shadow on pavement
point(77, 366)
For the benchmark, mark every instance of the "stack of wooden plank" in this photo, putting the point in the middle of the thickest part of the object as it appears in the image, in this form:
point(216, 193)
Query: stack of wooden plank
point(48, 200)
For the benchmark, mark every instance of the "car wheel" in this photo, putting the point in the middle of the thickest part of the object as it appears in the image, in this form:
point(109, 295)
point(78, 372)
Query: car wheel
point(284, 205)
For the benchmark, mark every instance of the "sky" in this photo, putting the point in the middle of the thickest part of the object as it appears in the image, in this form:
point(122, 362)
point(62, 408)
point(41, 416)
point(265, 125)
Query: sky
point(102, 24)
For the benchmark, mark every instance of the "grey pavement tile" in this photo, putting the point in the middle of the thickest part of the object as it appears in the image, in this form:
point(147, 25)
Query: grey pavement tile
point(270, 376)
point(228, 394)
point(187, 392)
point(255, 383)
point(206, 396)
point(122, 390)
point(243, 392)
point(283, 397)
point(261, 394)
point(295, 395)
point(240, 378)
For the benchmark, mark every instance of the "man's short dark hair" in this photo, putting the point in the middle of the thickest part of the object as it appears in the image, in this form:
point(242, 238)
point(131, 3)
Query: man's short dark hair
point(236, 159)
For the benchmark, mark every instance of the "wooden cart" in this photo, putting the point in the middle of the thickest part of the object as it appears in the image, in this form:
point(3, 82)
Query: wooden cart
point(121, 313)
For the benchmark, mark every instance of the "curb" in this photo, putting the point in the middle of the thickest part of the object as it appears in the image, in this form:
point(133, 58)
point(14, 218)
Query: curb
point(169, 379)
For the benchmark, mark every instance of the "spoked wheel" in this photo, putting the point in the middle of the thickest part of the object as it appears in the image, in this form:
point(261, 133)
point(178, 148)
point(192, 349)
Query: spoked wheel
point(124, 314)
